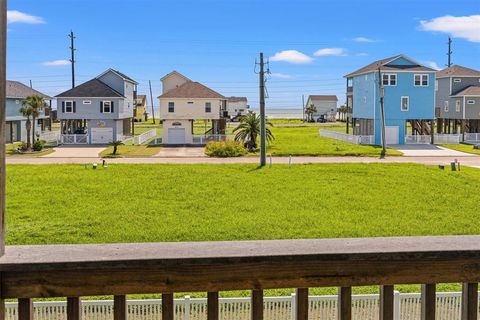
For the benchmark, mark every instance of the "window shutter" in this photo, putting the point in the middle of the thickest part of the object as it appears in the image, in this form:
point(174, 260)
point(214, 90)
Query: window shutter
point(63, 106)
point(111, 107)
point(101, 106)
point(74, 106)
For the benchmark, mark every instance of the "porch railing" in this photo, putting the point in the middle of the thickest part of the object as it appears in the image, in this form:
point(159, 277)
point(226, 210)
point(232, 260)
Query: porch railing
point(407, 306)
point(74, 138)
point(204, 139)
point(146, 136)
point(72, 271)
point(418, 139)
point(447, 138)
point(365, 139)
point(472, 137)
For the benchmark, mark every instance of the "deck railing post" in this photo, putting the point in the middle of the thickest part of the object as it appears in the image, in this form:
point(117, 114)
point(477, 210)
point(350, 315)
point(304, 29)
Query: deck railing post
point(187, 307)
point(469, 301)
point(344, 303)
point(257, 305)
point(25, 309)
point(302, 304)
point(168, 310)
point(120, 307)
point(429, 298)
point(387, 304)
point(212, 306)
point(396, 305)
point(74, 308)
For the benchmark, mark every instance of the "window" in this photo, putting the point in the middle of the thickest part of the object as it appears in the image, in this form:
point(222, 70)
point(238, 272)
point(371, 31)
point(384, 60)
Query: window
point(457, 106)
point(87, 102)
point(364, 99)
point(171, 107)
point(420, 80)
point(457, 80)
point(445, 106)
point(68, 106)
point(208, 107)
point(470, 101)
point(107, 107)
point(190, 102)
point(405, 103)
point(389, 79)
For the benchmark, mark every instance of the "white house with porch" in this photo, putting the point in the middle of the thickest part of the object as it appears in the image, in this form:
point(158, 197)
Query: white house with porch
point(182, 102)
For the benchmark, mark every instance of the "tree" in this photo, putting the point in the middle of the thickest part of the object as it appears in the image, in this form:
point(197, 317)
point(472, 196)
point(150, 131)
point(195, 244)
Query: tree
point(37, 103)
point(115, 144)
point(27, 112)
point(310, 110)
point(249, 129)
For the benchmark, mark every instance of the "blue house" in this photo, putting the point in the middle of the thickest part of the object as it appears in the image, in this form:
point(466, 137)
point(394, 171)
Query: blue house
point(409, 98)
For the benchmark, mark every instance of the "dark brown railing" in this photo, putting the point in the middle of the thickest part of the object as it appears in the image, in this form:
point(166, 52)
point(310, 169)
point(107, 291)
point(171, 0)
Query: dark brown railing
point(73, 271)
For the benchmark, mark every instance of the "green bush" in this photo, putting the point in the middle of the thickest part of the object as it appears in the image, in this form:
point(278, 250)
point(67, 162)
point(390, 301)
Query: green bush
point(225, 149)
point(37, 145)
point(23, 146)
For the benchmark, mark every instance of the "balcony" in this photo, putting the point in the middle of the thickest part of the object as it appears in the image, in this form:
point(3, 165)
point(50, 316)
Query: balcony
point(73, 271)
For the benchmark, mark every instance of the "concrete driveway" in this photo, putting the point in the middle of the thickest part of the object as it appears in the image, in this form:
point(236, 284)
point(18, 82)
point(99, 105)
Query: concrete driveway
point(76, 152)
point(428, 150)
point(181, 152)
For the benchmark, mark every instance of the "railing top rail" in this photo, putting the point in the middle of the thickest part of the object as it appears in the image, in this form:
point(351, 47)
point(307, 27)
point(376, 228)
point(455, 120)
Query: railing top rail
point(72, 270)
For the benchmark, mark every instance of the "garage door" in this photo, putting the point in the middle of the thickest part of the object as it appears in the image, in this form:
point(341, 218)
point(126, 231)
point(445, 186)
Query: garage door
point(391, 134)
point(176, 136)
point(102, 135)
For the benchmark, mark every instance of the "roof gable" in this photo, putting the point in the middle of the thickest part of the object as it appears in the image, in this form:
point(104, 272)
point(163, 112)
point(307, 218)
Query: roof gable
point(118, 74)
point(468, 91)
point(16, 89)
point(192, 90)
point(174, 73)
point(91, 89)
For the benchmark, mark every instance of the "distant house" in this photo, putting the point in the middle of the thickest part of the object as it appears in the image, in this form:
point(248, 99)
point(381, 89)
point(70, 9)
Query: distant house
point(458, 100)
point(184, 101)
point(326, 106)
point(140, 109)
point(97, 111)
point(15, 131)
point(409, 98)
point(237, 106)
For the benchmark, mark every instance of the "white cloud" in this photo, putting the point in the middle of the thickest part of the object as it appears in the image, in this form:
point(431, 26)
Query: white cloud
point(56, 63)
point(281, 76)
point(465, 27)
point(291, 56)
point(14, 16)
point(433, 65)
point(363, 39)
point(361, 54)
point(330, 52)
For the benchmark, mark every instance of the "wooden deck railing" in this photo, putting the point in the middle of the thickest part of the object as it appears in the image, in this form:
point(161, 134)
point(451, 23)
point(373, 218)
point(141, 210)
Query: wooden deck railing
point(73, 271)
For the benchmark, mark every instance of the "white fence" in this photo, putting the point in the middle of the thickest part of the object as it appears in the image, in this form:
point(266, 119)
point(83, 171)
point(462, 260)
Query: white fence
point(447, 138)
point(144, 137)
point(472, 137)
point(347, 137)
point(74, 138)
point(50, 136)
point(418, 139)
point(364, 307)
point(204, 139)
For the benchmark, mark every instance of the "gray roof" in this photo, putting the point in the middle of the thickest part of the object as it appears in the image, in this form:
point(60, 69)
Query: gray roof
point(91, 89)
point(237, 99)
point(192, 90)
point(323, 98)
point(469, 91)
point(121, 75)
point(18, 90)
point(383, 65)
point(457, 71)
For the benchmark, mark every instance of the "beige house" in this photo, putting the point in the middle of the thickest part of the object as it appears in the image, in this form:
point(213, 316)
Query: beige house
point(326, 106)
point(237, 106)
point(182, 102)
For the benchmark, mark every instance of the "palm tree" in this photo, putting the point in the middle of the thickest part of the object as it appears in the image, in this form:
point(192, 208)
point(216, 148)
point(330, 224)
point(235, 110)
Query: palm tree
point(37, 103)
point(27, 112)
point(115, 144)
point(249, 129)
point(310, 110)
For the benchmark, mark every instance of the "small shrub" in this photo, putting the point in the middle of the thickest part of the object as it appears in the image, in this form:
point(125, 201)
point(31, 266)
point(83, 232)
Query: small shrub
point(23, 146)
point(37, 145)
point(225, 149)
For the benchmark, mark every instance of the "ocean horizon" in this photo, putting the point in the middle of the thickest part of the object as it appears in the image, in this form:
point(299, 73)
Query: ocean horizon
point(272, 113)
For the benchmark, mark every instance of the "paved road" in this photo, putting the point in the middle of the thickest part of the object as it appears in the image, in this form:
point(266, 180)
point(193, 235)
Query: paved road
point(75, 152)
point(428, 150)
point(466, 160)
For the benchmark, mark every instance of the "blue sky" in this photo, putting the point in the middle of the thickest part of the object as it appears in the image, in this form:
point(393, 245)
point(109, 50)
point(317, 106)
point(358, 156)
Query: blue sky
point(311, 44)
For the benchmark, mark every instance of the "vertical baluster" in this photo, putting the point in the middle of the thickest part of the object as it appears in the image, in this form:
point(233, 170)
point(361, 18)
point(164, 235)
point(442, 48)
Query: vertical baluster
point(386, 302)
point(345, 303)
point(120, 307)
point(257, 305)
point(25, 309)
point(428, 302)
point(469, 301)
point(301, 304)
point(168, 313)
point(212, 306)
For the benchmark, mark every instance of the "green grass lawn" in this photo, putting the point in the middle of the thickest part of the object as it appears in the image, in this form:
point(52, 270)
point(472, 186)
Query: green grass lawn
point(306, 141)
point(10, 150)
point(132, 151)
point(142, 203)
point(468, 148)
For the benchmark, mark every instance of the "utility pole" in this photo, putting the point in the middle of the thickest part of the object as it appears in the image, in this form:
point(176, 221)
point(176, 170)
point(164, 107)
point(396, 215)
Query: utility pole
point(72, 60)
point(31, 86)
point(382, 111)
point(3, 88)
point(449, 52)
point(263, 147)
point(151, 100)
